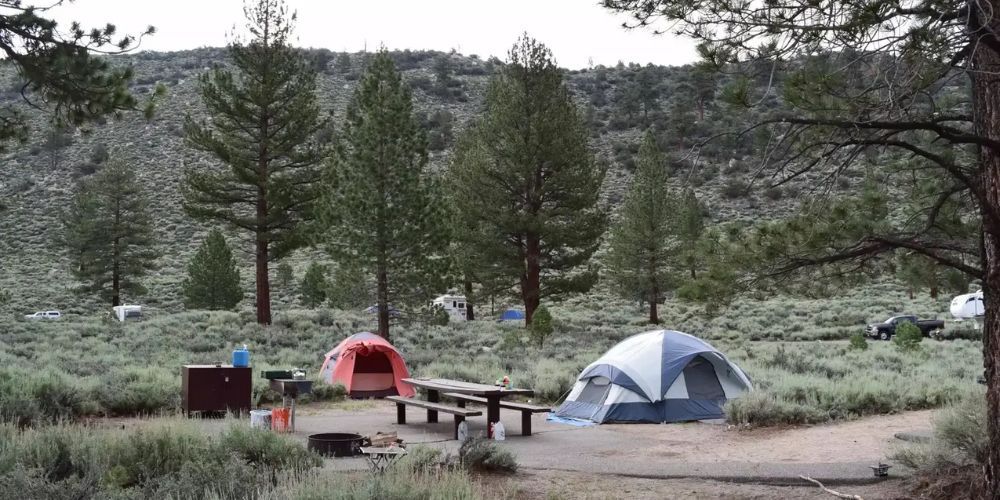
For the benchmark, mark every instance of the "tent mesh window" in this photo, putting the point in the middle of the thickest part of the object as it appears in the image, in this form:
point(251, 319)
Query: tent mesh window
point(595, 391)
point(701, 380)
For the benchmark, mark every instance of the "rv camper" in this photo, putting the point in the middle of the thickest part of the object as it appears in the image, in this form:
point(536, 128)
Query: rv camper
point(121, 313)
point(454, 305)
point(968, 306)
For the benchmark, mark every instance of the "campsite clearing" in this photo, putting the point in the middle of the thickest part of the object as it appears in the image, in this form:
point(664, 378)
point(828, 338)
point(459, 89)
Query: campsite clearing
point(839, 453)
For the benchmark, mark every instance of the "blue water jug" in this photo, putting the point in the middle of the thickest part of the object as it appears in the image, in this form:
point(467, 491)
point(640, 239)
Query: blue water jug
point(241, 357)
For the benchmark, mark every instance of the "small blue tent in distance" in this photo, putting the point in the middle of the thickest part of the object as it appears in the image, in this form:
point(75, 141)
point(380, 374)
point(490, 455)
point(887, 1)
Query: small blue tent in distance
point(512, 315)
point(659, 376)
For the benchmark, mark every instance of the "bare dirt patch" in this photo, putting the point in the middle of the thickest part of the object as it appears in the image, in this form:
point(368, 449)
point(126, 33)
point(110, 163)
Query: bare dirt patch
point(857, 440)
point(578, 485)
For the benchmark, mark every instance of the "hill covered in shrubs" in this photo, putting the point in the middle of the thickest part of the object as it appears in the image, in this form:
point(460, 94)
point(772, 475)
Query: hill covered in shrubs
point(678, 103)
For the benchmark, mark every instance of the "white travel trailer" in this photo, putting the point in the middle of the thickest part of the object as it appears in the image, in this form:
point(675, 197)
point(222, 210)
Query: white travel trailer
point(968, 306)
point(121, 313)
point(454, 305)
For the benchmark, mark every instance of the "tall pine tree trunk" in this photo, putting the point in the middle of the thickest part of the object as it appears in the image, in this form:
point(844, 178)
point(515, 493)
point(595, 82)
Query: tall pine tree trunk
point(986, 106)
point(263, 282)
point(261, 255)
point(116, 282)
point(263, 242)
point(470, 315)
point(116, 256)
point(531, 278)
point(382, 278)
point(654, 316)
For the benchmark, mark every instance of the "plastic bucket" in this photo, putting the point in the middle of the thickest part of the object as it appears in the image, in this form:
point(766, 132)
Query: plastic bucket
point(280, 419)
point(260, 419)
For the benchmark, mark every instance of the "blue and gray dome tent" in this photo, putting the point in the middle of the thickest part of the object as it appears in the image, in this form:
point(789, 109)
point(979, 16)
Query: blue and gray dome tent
point(659, 376)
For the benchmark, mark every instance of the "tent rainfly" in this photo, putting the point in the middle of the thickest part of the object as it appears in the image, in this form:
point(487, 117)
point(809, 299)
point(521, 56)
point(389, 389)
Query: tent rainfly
point(658, 376)
point(368, 366)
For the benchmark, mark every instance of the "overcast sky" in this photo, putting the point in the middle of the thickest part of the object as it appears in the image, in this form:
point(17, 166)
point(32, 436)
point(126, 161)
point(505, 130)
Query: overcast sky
point(577, 31)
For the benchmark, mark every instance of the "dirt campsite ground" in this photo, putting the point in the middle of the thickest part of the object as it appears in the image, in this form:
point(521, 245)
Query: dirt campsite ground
point(691, 460)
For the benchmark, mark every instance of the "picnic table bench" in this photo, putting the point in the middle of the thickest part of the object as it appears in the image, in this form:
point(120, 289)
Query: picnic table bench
point(526, 409)
point(432, 410)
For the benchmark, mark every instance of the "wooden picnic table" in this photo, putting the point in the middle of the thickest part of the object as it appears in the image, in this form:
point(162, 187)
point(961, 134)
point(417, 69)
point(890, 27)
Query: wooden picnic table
point(492, 393)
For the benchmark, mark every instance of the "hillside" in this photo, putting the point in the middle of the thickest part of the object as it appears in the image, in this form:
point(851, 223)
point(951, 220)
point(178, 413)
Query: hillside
point(618, 103)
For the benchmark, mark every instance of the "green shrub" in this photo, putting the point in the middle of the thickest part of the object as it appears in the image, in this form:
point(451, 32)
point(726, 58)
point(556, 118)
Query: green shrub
point(759, 408)
point(965, 331)
point(541, 325)
point(439, 317)
point(137, 391)
point(262, 447)
point(28, 398)
point(397, 483)
point(908, 336)
point(960, 438)
point(950, 465)
point(322, 391)
point(486, 455)
point(420, 459)
point(176, 460)
point(513, 340)
point(32, 484)
point(858, 342)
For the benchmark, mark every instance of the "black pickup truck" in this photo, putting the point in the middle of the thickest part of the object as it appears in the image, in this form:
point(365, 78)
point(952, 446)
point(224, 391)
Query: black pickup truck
point(886, 329)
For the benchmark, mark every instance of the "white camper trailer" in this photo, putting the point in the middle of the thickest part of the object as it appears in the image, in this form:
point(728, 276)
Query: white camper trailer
point(121, 313)
point(968, 306)
point(454, 305)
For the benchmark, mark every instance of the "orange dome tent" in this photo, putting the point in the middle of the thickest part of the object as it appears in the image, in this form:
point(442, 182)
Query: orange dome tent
point(368, 366)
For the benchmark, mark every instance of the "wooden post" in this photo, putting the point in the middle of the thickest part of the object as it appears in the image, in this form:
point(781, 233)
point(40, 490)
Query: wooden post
point(492, 413)
point(400, 413)
point(432, 415)
point(525, 423)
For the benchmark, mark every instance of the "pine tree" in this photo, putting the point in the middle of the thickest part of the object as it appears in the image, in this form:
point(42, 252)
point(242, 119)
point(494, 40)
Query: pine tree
point(113, 248)
point(213, 280)
point(465, 256)
point(81, 226)
point(286, 276)
point(533, 190)
point(313, 287)
point(384, 213)
point(263, 127)
point(642, 242)
point(350, 288)
point(689, 220)
point(60, 70)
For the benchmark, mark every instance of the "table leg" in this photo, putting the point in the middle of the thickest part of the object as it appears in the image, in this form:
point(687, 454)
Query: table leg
point(400, 413)
point(492, 414)
point(432, 397)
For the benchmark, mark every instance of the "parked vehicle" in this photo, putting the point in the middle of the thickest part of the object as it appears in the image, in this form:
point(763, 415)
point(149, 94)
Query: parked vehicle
point(130, 312)
point(886, 329)
point(43, 315)
point(454, 305)
point(968, 306)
